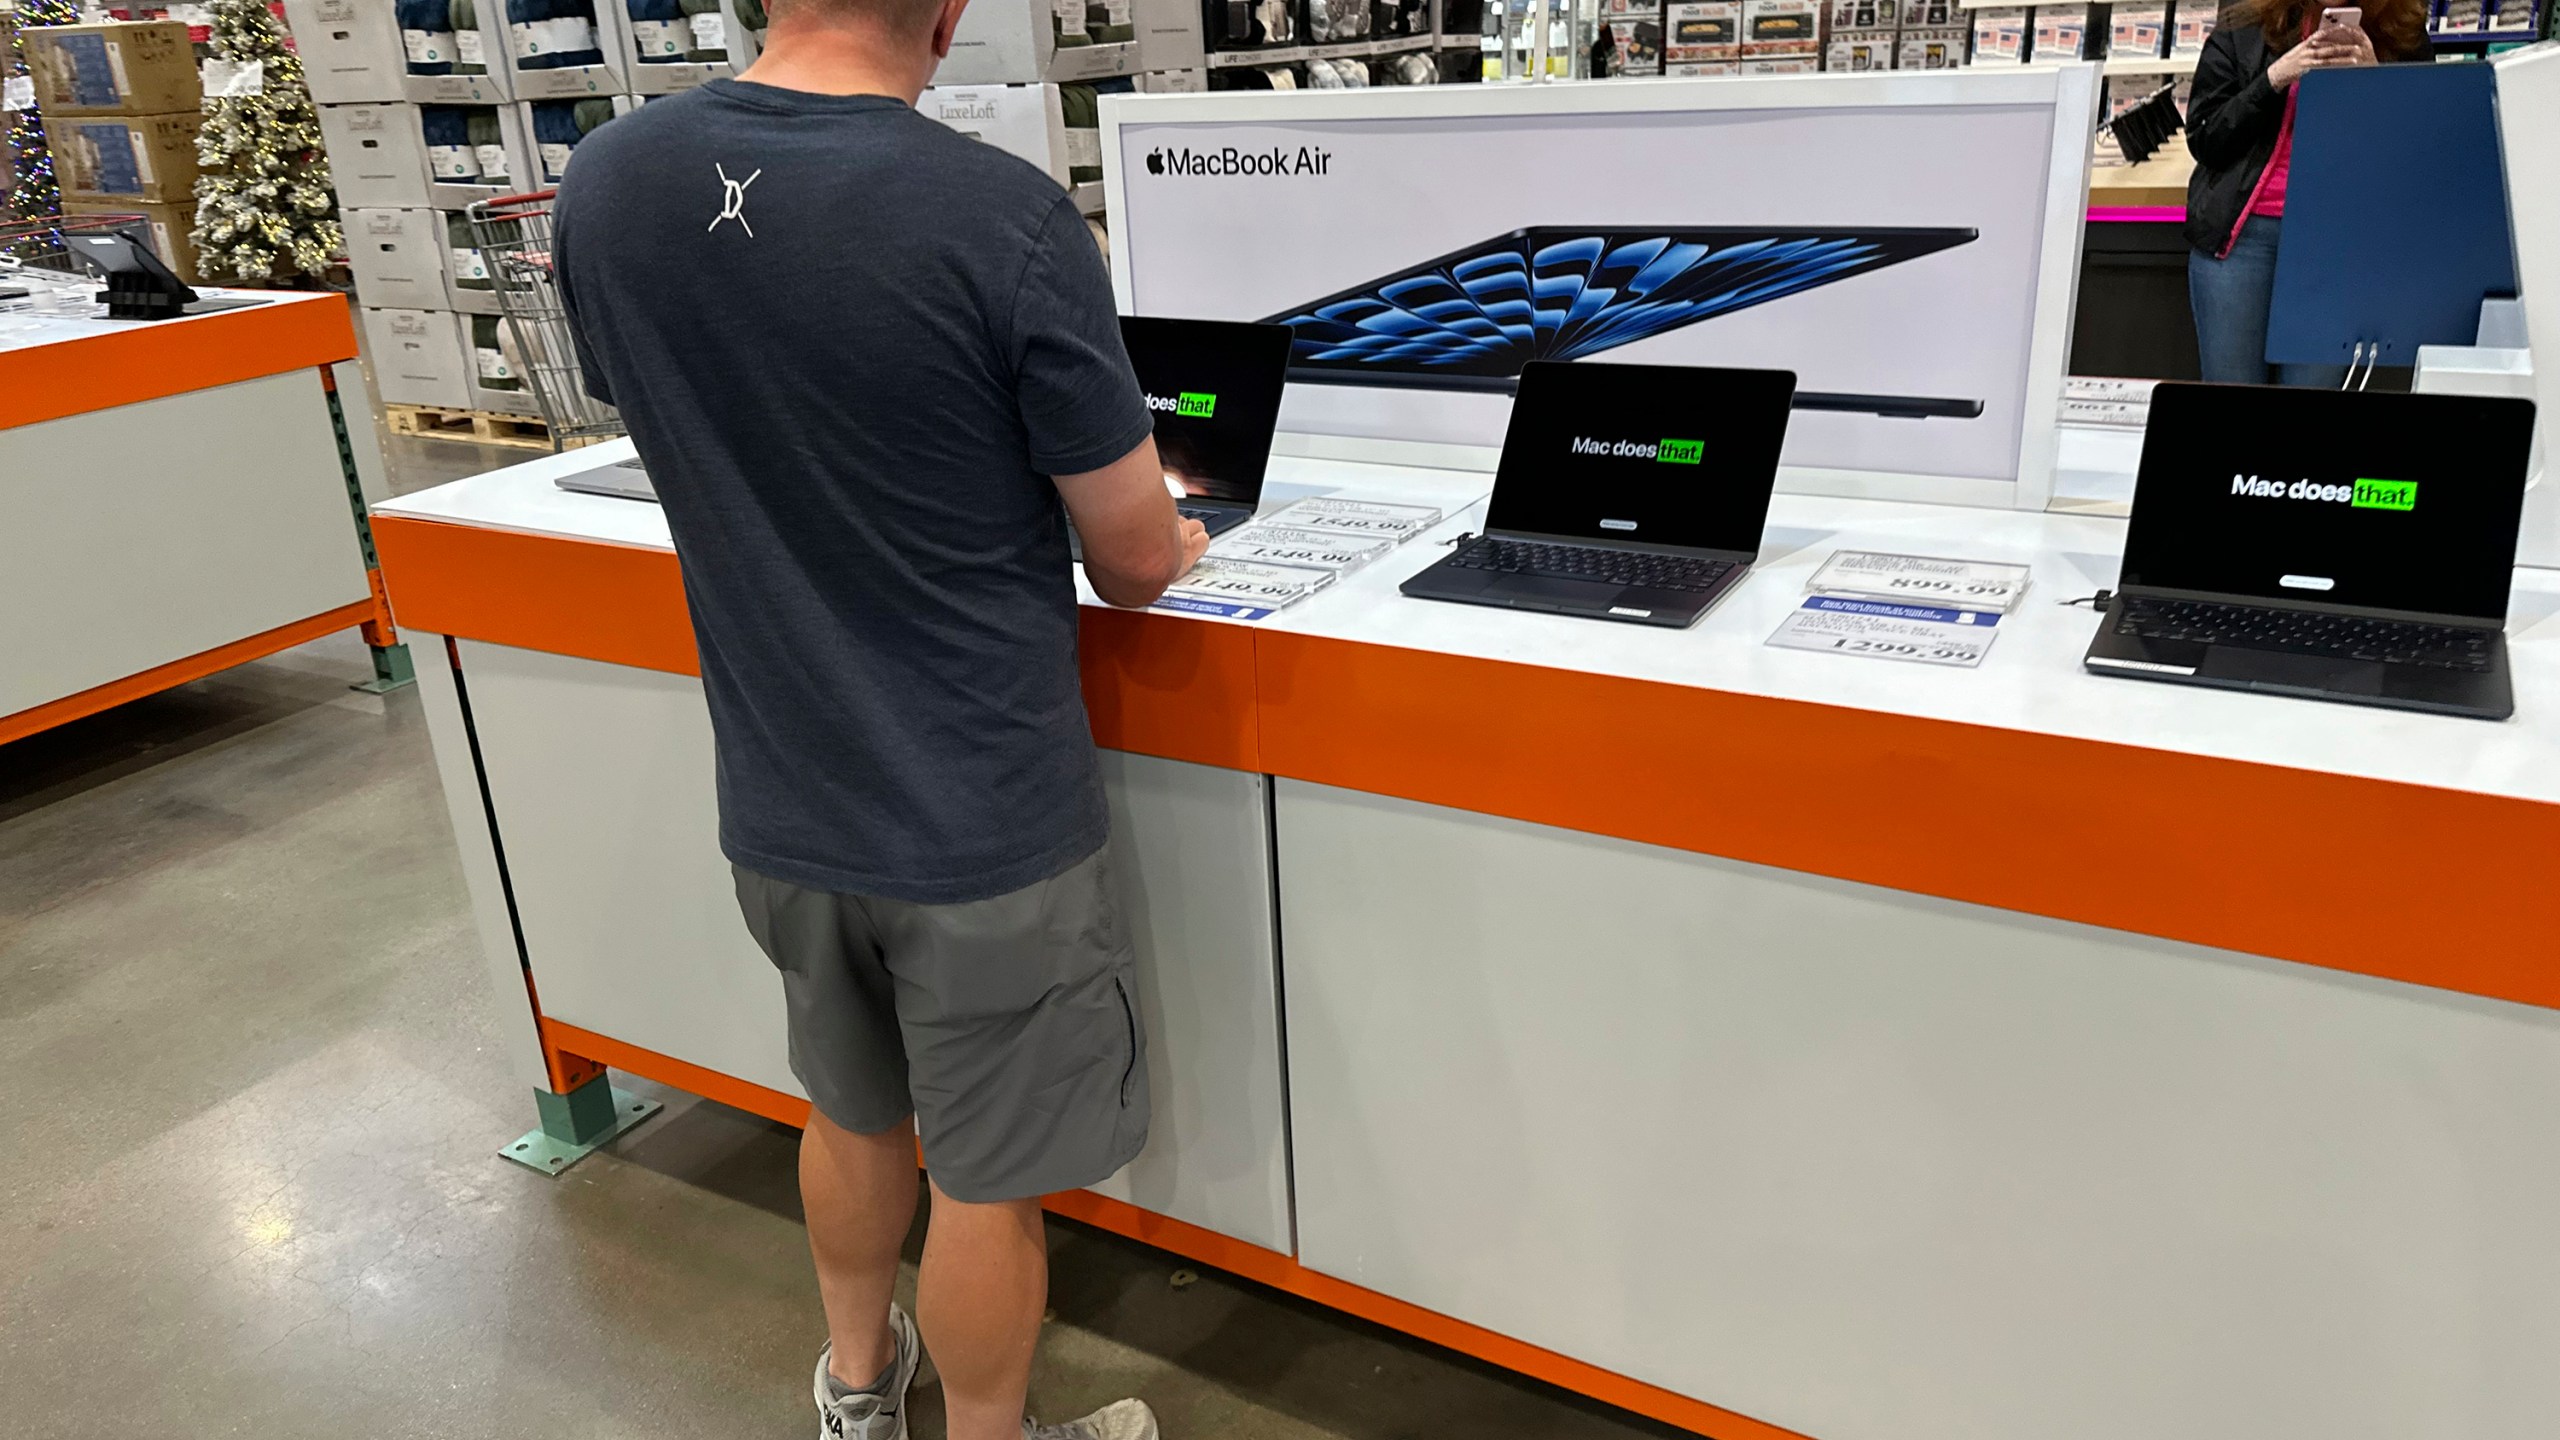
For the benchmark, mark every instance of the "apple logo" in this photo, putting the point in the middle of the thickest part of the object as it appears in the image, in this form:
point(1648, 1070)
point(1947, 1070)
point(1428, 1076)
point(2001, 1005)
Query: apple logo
point(1155, 162)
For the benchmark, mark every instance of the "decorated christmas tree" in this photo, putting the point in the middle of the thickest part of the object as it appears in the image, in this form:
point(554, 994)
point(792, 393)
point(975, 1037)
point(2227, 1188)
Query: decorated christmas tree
point(264, 211)
point(32, 192)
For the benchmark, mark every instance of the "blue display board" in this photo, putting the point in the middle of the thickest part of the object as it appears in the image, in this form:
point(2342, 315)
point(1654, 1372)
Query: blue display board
point(2395, 215)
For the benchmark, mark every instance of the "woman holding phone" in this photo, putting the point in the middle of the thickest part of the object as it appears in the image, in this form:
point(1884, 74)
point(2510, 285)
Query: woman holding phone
point(2240, 130)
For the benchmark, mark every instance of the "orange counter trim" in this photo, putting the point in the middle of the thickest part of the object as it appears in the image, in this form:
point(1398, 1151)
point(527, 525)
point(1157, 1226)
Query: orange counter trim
point(179, 672)
point(148, 361)
point(2075, 830)
point(566, 1045)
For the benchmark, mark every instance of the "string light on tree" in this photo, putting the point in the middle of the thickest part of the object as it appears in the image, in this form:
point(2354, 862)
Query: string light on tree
point(265, 212)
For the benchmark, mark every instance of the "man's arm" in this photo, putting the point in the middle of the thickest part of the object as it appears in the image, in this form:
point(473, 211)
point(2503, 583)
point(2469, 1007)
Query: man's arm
point(1135, 542)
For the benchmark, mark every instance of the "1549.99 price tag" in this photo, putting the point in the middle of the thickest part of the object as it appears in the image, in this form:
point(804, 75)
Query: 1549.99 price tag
point(1890, 630)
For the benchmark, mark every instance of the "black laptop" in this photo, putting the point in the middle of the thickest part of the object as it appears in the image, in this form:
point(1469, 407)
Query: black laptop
point(1625, 492)
point(2338, 545)
point(1214, 387)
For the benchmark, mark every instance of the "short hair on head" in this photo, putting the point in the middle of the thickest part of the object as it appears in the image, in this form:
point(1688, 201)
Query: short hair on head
point(898, 17)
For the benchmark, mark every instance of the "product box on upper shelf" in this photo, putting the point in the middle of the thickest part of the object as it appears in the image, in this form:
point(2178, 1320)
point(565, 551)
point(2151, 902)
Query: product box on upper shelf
point(1999, 36)
point(2137, 32)
point(678, 44)
point(168, 227)
point(398, 257)
point(417, 357)
point(1336, 22)
point(1014, 42)
point(141, 67)
point(1169, 35)
point(1932, 15)
point(356, 52)
point(1639, 39)
point(1781, 65)
point(2194, 27)
point(1851, 51)
point(1705, 67)
point(148, 158)
point(1862, 17)
point(1772, 28)
point(2061, 33)
point(1938, 49)
point(553, 128)
point(558, 49)
point(1023, 120)
point(1173, 82)
point(1700, 32)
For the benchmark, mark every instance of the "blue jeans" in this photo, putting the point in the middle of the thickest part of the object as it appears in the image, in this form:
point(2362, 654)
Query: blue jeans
point(2230, 298)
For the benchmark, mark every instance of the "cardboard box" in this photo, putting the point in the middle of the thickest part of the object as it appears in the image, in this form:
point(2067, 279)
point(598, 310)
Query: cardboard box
point(666, 57)
point(2194, 27)
point(493, 371)
point(1999, 36)
point(511, 46)
point(1701, 32)
point(1932, 15)
point(136, 67)
point(147, 158)
point(1174, 82)
point(170, 228)
point(1015, 42)
point(398, 258)
point(1169, 36)
point(1854, 52)
point(1707, 67)
point(1775, 28)
point(417, 357)
point(354, 52)
point(379, 159)
point(1782, 65)
point(1023, 120)
point(2137, 32)
point(1862, 17)
point(1639, 43)
point(2061, 33)
point(1938, 49)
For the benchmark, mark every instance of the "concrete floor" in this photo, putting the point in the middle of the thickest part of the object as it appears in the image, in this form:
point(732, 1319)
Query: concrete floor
point(247, 1180)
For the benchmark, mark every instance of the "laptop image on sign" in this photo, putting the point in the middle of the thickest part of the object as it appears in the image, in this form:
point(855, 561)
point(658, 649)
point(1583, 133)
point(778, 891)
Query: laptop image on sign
point(1214, 387)
point(2338, 545)
point(1625, 492)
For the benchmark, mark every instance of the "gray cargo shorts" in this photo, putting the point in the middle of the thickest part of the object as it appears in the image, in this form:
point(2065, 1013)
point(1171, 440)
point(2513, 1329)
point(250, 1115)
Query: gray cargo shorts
point(1007, 1027)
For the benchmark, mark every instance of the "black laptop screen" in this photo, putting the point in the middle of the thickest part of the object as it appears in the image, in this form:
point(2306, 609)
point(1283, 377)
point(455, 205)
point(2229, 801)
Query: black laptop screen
point(1214, 388)
point(2381, 502)
point(1671, 455)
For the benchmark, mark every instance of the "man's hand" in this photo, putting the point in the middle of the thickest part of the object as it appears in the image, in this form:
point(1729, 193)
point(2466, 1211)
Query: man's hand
point(1135, 542)
point(1195, 543)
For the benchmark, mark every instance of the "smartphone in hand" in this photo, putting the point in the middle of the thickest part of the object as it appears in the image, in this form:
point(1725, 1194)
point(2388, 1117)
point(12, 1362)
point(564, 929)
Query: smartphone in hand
point(2343, 17)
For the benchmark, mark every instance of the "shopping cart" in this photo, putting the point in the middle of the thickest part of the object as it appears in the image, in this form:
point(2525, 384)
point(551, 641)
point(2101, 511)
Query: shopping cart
point(514, 236)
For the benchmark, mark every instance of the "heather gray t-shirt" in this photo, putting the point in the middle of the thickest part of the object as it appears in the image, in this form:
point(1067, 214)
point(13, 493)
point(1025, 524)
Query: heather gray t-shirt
point(851, 345)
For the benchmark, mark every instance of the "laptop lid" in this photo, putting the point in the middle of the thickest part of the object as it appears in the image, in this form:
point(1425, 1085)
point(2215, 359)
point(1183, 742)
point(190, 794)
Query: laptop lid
point(1214, 388)
point(2353, 499)
point(1669, 457)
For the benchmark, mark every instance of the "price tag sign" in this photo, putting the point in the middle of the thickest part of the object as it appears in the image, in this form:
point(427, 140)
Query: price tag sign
point(1972, 584)
point(1890, 630)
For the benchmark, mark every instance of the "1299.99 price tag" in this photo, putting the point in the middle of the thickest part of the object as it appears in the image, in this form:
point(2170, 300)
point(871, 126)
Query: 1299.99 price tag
point(1890, 630)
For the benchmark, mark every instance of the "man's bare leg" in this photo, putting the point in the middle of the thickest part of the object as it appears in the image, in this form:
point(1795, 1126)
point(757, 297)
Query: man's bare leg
point(984, 1288)
point(860, 1195)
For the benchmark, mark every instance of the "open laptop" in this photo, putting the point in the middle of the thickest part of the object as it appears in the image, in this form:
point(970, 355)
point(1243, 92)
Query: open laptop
point(2339, 545)
point(1214, 387)
point(1625, 492)
point(1471, 319)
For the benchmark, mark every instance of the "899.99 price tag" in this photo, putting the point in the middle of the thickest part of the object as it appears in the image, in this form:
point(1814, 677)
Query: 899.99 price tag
point(1968, 584)
point(1890, 630)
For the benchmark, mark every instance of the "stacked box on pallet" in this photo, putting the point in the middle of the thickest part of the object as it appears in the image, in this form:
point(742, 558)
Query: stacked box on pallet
point(1860, 35)
point(1932, 36)
point(122, 106)
point(1781, 37)
point(1701, 37)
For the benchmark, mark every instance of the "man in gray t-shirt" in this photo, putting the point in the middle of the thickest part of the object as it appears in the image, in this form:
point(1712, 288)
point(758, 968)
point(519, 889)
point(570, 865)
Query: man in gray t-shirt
point(872, 366)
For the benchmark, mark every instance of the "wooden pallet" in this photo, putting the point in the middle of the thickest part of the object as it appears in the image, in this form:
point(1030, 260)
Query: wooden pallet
point(479, 427)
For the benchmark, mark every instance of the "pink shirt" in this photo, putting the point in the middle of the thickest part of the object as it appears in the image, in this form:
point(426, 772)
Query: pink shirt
point(2269, 199)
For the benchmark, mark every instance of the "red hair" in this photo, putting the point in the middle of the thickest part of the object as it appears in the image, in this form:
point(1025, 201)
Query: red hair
point(2397, 27)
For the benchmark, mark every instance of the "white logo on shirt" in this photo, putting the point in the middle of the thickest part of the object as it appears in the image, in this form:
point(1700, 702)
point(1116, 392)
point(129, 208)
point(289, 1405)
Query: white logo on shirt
point(733, 200)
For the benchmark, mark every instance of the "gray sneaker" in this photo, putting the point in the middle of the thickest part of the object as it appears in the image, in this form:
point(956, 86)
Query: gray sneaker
point(874, 1414)
point(1119, 1420)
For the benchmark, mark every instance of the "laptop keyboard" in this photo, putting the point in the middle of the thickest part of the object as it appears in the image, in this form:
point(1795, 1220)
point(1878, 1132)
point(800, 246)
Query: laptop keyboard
point(1593, 563)
point(2302, 632)
point(1201, 513)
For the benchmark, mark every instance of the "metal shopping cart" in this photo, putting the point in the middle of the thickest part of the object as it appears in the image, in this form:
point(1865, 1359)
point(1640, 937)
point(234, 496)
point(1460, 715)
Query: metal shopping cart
point(514, 236)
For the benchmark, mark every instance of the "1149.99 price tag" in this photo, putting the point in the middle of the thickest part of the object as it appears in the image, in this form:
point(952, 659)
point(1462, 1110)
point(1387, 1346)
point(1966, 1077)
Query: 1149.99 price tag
point(1890, 630)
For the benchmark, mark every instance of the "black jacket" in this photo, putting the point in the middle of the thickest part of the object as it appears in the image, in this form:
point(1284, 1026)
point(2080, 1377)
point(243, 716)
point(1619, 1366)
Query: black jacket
point(2232, 123)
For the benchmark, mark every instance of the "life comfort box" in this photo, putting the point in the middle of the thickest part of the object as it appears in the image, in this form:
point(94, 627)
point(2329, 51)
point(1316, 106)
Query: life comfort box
point(1013, 42)
point(143, 67)
point(417, 357)
point(1700, 32)
point(1776, 28)
point(168, 228)
point(398, 258)
point(1169, 36)
point(1852, 52)
point(147, 158)
point(1939, 49)
point(1023, 120)
point(355, 52)
point(377, 155)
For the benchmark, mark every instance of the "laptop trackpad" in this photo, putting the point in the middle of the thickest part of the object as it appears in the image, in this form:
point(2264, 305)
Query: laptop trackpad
point(1539, 590)
point(2282, 670)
